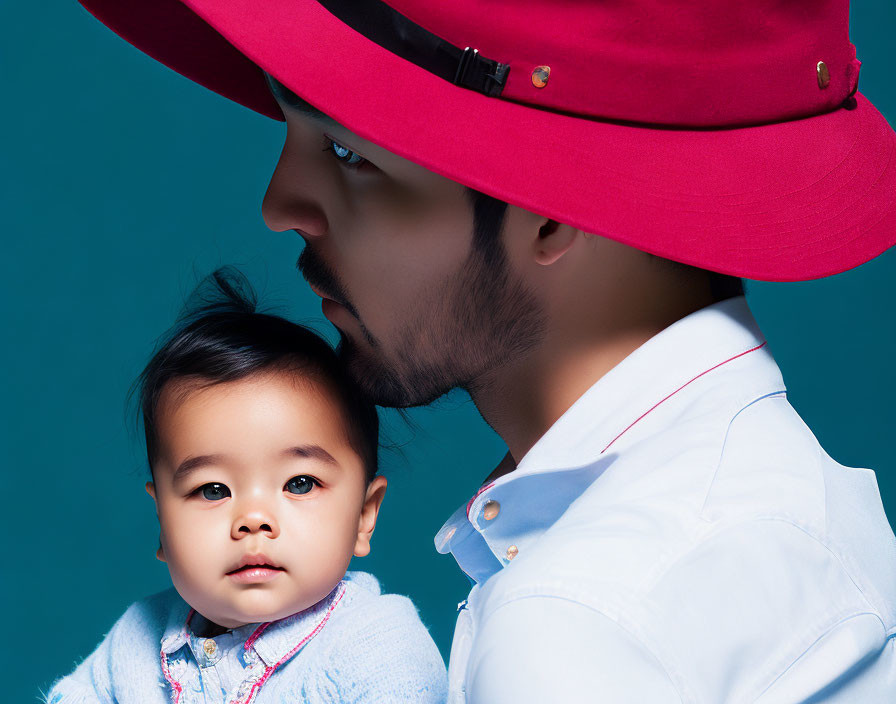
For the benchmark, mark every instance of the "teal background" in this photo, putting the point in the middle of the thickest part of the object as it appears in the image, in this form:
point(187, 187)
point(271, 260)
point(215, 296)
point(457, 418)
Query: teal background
point(123, 183)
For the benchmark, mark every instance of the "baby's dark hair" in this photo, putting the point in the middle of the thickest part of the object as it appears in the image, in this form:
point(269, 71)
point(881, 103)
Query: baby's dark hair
point(222, 337)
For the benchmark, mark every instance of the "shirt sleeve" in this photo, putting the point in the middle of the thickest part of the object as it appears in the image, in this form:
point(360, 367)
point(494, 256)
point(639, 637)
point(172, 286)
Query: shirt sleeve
point(387, 656)
point(90, 683)
point(543, 648)
point(126, 661)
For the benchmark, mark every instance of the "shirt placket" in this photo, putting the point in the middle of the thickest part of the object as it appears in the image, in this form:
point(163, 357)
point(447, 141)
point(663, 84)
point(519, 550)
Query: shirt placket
point(209, 652)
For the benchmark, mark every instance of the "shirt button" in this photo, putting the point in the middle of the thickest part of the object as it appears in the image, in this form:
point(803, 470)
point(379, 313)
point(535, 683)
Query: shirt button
point(491, 510)
point(512, 552)
point(210, 647)
point(446, 538)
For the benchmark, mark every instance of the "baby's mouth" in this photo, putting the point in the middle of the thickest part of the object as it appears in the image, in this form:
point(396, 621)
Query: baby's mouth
point(257, 562)
point(249, 568)
point(254, 570)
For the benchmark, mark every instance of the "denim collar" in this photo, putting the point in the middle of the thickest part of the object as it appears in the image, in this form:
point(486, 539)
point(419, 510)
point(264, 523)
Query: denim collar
point(629, 403)
point(273, 642)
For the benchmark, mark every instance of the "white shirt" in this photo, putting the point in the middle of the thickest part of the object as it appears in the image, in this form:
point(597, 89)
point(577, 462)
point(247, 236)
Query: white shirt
point(678, 535)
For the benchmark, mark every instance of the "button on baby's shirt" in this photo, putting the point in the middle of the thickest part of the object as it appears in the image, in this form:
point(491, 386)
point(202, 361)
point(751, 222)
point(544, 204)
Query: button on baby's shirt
point(207, 651)
point(210, 647)
point(223, 660)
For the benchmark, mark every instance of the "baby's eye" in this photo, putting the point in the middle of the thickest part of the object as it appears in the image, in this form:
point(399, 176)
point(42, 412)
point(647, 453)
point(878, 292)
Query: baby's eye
point(344, 154)
point(300, 484)
point(214, 492)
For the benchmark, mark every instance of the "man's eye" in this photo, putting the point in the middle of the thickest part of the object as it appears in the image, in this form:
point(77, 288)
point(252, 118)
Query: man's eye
point(214, 492)
point(343, 154)
point(300, 485)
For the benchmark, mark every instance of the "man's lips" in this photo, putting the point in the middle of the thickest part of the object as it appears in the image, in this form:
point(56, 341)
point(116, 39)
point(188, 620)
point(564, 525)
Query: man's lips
point(330, 305)
point(319, 292)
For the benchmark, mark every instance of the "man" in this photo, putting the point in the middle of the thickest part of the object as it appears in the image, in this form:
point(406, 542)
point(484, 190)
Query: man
point(551, 206)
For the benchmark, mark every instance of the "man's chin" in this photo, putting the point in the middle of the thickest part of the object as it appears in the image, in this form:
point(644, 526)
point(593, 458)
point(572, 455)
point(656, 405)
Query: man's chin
point(380, 383)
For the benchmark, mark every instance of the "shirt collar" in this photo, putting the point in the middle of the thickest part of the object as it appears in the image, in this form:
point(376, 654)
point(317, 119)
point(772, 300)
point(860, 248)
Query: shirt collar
point(274, 641)
point(627, 403)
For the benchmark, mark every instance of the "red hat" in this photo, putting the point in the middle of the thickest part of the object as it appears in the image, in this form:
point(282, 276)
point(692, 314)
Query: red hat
point(728, 136)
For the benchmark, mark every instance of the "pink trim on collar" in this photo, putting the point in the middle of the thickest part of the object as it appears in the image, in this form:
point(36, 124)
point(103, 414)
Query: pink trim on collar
point(250, 641)
point(481, 489)
point(731, 359)
point(178, 687)
point(269, 670)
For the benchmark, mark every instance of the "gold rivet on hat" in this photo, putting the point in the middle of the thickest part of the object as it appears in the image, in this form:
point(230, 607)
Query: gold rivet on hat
point(540, 76)
point(824, 76)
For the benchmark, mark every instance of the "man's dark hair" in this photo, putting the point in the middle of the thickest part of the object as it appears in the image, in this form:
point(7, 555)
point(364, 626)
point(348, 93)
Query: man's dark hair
point(488, 217)
point(222, 337)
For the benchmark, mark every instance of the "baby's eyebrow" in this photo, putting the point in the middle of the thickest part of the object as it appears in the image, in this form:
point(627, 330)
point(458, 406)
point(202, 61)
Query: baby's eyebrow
point(315, 452)
point(192, 463)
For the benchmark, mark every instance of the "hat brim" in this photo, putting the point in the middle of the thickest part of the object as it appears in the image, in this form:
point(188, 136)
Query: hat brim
point(788, 201)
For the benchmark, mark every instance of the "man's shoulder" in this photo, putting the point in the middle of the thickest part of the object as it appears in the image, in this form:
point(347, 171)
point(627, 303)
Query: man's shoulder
point(762, 480)
point(728, 611)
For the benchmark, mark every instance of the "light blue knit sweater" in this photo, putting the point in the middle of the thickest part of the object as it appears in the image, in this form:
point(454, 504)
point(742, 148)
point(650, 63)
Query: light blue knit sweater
point(357, 645)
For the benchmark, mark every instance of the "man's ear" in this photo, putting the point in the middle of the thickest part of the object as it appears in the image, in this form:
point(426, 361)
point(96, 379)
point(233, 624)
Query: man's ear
point(554, 240)
point(369, 511)
point(151, 490)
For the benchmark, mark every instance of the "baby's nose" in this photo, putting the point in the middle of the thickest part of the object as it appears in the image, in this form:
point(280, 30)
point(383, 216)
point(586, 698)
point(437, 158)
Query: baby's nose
point(255, 521)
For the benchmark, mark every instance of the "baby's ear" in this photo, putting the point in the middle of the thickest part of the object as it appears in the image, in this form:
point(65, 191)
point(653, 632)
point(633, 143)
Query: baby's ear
point(151, 490)
point(369, 511)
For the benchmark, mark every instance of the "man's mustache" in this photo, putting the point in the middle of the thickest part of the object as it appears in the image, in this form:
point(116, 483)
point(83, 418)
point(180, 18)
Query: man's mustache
point(316, 272)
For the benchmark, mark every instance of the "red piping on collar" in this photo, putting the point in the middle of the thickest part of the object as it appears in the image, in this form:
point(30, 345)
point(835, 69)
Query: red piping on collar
point(481, 489)
point(178, 688)
point(250, 641)
point(270, 669)
point(679, 389)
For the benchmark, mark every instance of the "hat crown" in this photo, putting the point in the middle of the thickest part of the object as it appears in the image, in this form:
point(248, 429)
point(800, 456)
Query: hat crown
point(688, 63)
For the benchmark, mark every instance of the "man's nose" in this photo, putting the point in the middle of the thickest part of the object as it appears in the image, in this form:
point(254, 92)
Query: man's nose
point(255, 518)
point(291, 201)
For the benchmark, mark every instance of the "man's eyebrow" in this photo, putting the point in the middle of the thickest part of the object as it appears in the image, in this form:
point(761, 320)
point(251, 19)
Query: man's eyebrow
point(315, 452)
point(193, 463)
point(284, 94)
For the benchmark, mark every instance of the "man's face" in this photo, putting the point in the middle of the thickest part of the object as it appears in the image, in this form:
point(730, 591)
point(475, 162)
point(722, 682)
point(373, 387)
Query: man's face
point(260, 469)
point(390, 249)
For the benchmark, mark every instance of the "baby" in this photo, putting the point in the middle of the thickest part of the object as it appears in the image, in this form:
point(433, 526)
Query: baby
point(264, 476)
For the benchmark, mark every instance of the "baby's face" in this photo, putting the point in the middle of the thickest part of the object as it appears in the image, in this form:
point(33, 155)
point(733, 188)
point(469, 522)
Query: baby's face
point(258, 470)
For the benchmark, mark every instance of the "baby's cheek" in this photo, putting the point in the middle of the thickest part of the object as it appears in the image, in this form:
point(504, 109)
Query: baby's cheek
point(336, 550)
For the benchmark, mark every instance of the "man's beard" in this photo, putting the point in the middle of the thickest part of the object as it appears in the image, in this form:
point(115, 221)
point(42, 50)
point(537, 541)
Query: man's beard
point(478, 320)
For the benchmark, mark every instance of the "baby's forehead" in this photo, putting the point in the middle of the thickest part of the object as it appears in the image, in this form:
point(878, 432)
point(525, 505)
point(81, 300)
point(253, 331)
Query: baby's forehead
point(284, 412)
point(191, 407)
point(294, 378)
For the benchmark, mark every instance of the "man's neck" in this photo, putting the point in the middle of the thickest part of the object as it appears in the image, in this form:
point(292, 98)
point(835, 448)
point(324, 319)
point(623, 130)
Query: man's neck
point(522, 400)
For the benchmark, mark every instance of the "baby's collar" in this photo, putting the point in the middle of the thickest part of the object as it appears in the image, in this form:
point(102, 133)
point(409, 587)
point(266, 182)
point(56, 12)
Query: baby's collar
point(274, 641)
